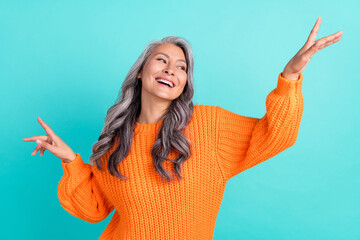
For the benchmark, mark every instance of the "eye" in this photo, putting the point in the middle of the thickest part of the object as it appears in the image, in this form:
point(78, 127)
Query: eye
point(183, 68)
point(161, 59)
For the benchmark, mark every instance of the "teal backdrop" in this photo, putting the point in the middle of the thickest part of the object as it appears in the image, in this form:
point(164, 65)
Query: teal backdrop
point(65, 61)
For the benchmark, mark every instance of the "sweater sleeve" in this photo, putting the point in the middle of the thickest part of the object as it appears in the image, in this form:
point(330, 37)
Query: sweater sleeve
point(80, 194)
point(243, 142)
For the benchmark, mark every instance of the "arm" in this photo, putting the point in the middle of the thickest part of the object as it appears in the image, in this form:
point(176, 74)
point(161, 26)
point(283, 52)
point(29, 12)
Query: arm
point(80, 194)
point(243, 142)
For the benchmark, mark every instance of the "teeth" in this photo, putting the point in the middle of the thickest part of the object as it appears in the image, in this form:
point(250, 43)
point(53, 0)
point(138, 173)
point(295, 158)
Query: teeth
point(165, 81)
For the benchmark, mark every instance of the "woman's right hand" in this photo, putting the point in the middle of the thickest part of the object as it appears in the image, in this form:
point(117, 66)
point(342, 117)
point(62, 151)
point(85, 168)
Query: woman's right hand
point(52, 143)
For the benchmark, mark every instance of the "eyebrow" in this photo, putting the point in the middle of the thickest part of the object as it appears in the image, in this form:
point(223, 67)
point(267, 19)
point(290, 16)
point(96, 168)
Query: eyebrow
point(169, 57)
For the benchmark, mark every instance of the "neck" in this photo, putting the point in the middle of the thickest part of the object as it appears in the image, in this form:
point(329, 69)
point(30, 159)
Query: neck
point(152, 110)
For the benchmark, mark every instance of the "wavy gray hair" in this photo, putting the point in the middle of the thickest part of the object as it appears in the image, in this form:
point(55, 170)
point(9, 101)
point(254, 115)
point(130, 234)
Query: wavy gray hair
point(121, 118)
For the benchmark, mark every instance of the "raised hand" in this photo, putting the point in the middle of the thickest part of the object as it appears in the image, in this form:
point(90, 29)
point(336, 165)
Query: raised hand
point(52, 143)
point(298, 63)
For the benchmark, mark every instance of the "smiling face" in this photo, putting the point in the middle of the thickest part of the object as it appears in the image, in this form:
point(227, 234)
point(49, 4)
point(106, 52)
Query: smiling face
point(167, 61)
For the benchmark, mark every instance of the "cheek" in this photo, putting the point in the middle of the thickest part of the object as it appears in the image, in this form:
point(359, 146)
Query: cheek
point(183, 79)
point(154, 67)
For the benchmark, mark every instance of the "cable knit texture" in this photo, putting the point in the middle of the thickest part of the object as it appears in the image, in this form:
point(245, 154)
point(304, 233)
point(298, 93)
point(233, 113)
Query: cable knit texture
point(223, 145)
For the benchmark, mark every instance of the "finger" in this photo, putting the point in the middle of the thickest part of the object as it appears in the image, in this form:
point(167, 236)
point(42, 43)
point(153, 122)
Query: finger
point(47, 129)
point(34, 138)
point(38, 147)
point(314, 31)
point(329, 38)
point(329, 43)
point(321, 43)
point(318, 46)
point(47, 146)
point(311, 39)
point(42, 150)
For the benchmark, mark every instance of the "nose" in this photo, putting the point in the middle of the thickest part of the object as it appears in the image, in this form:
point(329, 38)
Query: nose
point(169, 71)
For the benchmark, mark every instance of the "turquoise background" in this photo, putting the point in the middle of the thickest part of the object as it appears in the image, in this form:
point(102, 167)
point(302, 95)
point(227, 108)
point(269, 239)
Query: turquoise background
point(65, 61)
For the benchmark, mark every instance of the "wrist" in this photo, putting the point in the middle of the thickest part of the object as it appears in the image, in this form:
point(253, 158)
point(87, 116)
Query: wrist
point(293, 76)
point(70, 159)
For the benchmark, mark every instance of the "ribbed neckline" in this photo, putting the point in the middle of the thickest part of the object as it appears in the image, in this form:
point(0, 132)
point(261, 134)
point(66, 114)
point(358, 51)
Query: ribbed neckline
point(147, 127)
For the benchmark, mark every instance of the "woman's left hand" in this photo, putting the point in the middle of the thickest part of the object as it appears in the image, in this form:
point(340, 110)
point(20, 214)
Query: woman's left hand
point(298, 63)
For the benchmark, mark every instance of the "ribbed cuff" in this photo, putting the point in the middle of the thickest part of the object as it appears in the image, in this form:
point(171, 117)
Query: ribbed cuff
point(76, 165)
point(288, 87)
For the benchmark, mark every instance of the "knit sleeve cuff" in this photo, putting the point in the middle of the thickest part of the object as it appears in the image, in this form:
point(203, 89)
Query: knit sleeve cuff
point(75, 167)
point(289, 87)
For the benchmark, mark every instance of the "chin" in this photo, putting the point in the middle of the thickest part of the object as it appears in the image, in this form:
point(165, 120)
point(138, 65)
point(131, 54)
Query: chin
point(164, 98)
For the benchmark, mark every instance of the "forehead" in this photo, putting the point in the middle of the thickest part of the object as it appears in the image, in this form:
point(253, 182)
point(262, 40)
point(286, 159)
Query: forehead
point(171, 50)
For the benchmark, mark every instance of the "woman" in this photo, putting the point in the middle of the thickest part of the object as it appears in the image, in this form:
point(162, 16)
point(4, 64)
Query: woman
point(153, 127)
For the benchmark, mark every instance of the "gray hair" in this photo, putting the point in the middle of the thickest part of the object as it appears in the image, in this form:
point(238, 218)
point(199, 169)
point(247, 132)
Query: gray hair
point(121, 118)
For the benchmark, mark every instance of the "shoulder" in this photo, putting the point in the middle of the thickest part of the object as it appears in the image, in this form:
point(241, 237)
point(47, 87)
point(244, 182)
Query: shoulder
point(205, 114)
point(210, 111)
point(203, 108)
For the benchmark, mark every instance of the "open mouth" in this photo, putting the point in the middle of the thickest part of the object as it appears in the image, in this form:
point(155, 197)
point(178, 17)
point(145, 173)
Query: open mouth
point(164, 82)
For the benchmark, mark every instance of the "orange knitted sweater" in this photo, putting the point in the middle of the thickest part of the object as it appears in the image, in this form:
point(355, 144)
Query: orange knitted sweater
point(223, 145)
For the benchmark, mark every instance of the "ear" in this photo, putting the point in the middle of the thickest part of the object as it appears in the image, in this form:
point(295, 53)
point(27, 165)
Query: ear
point(139, 75)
